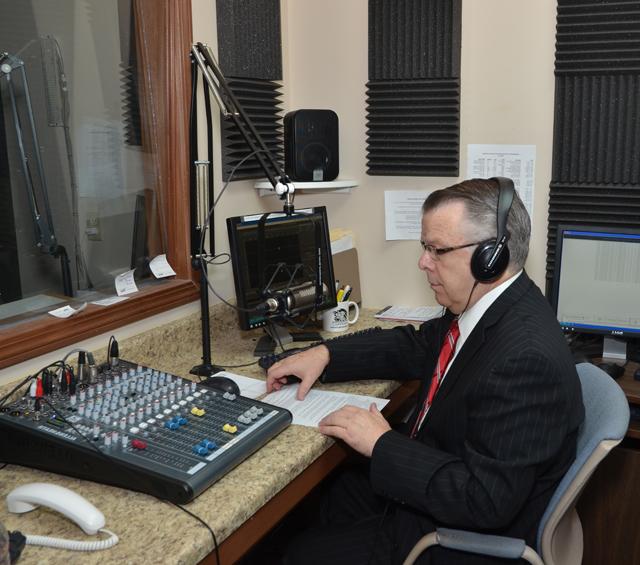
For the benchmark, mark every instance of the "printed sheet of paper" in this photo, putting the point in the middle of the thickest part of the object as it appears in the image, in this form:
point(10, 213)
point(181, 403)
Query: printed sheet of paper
point(67, 311)
point(125, 283)
point(318, 403)
point(518, 162)
point(416, 314)
point(160, 267)
point(403, 214)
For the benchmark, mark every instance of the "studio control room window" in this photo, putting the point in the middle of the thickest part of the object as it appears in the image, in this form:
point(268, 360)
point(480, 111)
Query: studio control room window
point(88, 185)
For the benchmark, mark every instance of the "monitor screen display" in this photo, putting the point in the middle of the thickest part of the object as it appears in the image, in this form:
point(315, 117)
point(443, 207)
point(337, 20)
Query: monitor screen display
point(596, 286)
point(276, 254)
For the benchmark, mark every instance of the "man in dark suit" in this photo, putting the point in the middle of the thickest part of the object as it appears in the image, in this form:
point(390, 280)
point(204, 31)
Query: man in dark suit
point(496, 421)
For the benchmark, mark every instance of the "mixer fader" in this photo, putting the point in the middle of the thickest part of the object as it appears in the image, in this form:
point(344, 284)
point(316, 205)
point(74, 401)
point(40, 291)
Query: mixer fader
point(138, 428)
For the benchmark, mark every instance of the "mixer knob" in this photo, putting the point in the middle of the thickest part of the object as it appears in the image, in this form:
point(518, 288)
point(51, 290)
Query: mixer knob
point(82, 395)
point(140, 414)
point(194, 386)
point(90, 392)
point(172, 397)
point(179, 393)
point(107, 439)
point(72, 400)
point(108, 383)
point(96, 432)
point(139, 369)
point(156, 406)
point(124, 441)
point(99, 388)
point(115, 437)
point(123, 423)
point(116, 379)
point(106, 419)
point(164, 401)
point(81, 408)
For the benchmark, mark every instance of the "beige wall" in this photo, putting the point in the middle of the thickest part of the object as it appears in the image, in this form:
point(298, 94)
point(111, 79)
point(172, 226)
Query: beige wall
point(507, 97)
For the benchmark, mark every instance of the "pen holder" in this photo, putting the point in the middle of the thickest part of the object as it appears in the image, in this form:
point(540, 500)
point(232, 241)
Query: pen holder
point(337, 319)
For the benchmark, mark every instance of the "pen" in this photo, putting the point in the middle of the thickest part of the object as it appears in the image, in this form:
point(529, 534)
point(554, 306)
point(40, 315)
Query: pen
point(340, 295)
point(346, 295)
point(346, 292)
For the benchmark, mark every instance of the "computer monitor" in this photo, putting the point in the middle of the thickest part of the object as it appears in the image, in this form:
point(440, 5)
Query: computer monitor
point(596, 284)
point(282, 267)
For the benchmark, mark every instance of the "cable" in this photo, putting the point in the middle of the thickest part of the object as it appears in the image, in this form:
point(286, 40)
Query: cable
point(30, 378)
point(205, 228)
point(213, 535)
point(74, 545)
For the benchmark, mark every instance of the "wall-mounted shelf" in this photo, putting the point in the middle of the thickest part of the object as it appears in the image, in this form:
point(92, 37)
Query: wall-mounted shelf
point(338, 186)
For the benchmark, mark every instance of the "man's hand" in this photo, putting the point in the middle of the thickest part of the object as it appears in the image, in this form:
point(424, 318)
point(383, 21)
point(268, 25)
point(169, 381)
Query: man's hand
point(306, 365)
point(358, 427)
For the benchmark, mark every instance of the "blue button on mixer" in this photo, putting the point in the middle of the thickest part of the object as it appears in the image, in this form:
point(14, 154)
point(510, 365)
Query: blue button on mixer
point(210, 445)
point(200, 450)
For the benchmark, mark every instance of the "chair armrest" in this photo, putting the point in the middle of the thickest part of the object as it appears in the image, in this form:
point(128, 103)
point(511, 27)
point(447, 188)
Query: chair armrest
point(473, 542)
point(496, 546)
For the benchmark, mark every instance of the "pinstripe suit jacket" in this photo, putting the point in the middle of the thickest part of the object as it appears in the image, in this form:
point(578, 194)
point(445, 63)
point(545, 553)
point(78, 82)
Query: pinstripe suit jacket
point(501, 431)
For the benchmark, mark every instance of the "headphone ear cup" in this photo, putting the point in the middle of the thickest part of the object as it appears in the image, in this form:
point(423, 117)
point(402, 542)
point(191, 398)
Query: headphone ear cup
point(480, 261)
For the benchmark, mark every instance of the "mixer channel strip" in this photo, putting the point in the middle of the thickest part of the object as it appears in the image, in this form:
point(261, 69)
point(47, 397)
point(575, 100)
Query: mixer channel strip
point(141, 429)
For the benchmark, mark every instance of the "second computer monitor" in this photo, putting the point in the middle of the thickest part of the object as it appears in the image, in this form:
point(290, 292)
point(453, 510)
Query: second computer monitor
point(596, 283)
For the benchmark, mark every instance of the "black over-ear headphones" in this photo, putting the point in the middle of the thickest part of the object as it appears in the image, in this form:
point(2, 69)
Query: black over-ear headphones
point(491, 257)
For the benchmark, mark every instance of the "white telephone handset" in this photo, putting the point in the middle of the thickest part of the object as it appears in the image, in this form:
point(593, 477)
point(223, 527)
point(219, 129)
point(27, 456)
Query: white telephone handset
point(28, 497)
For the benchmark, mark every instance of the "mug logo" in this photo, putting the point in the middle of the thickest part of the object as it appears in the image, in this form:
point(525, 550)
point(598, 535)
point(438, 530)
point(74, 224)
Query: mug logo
point(340, 316)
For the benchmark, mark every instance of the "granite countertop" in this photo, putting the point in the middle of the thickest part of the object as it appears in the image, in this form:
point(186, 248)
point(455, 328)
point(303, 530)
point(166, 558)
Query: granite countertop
point(152, 531)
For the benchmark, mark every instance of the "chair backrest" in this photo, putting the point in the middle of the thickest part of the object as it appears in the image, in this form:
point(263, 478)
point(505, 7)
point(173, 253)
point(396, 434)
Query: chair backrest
point(605, 424)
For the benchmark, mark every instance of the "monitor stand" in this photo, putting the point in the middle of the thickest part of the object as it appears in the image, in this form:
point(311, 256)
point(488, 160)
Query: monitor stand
point(278, 335)
point(615, 349)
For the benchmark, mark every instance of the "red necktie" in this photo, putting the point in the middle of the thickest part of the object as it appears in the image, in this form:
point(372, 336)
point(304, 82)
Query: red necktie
point(446, 353)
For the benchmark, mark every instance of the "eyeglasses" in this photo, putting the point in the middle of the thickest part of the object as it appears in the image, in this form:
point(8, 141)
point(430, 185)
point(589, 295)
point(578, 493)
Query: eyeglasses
point(436, 252)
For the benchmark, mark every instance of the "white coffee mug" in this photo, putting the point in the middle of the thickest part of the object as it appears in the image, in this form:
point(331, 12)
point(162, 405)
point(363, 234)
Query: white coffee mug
point(337, 319)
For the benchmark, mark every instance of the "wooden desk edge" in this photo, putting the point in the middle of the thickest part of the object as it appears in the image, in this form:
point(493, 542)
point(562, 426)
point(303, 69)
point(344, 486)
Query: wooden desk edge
point(253, 530)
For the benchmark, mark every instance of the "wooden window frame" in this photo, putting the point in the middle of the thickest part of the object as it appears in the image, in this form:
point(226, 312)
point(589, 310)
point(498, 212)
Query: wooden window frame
point(168, 70)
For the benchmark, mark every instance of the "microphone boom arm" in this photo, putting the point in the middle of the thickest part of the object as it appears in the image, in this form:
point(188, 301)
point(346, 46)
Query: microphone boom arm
point(45, 236)
point(232, 109)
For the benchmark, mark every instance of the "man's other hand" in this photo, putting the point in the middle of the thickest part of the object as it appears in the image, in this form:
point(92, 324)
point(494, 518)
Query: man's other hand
point(358, 427)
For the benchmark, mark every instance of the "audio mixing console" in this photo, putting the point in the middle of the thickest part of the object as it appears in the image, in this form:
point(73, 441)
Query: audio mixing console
point(137, 428)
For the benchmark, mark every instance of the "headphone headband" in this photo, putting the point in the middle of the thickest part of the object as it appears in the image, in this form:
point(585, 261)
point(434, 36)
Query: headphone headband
point(505, 199)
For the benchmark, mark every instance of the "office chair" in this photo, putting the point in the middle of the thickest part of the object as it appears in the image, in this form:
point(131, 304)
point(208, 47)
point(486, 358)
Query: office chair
point(559, 540)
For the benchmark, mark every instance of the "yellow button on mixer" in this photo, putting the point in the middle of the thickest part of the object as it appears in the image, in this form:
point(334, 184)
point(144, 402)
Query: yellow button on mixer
point(229, 428)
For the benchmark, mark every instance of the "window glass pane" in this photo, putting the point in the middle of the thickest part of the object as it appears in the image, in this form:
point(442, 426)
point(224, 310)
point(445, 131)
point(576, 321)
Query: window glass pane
point(78, 178)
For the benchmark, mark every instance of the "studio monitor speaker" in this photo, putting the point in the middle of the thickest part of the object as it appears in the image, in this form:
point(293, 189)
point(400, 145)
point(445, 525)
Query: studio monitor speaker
point(311, 145)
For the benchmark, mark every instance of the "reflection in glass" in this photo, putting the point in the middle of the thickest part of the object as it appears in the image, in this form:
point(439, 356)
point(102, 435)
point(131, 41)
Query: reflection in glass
point(84, 178)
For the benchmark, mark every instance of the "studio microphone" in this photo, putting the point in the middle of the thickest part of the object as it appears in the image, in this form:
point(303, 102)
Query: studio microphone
point(292, 300)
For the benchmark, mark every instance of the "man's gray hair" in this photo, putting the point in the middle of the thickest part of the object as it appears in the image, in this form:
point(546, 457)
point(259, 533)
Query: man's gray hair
point(480, 197)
